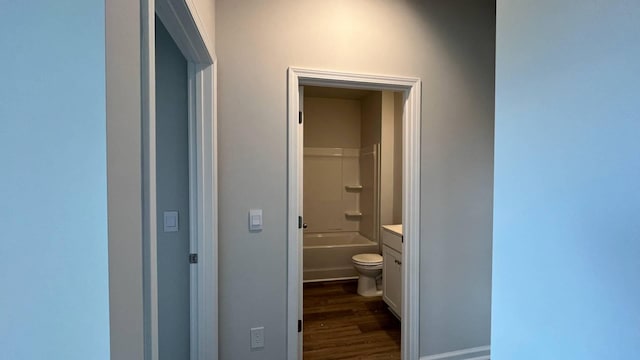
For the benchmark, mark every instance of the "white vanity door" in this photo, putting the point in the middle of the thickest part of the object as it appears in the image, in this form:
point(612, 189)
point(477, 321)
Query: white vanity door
point(392, 279)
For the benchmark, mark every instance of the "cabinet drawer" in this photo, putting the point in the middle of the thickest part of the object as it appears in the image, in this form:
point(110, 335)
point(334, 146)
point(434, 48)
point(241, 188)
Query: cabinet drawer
point(392, 240)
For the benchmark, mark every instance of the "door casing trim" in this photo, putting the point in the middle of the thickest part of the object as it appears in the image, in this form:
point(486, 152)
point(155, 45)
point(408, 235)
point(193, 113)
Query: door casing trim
point(181, 20)
point(411, 88)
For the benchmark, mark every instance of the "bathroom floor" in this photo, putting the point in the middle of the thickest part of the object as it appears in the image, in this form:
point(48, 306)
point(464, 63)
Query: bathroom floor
point(340, 324)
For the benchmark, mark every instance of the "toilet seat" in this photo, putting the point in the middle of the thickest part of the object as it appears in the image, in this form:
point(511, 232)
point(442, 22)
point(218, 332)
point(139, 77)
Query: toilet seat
point(367, 259)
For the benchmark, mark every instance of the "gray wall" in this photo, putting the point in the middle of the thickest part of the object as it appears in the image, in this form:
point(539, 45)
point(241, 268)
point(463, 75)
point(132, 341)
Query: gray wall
point(450, 45)
point(331, 122)
point(369, 195)
point(398, 110)
point(567, 181)
point(389, 170)
point(172, 181)
point(205, 10)
point(54, 285)
point(124, 178)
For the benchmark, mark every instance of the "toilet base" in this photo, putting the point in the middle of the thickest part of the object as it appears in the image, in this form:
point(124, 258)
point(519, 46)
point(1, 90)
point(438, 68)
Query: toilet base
point(367, 286)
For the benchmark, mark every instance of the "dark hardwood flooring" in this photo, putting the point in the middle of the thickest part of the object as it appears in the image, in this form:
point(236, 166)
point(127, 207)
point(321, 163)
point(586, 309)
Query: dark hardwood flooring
point(340, 324)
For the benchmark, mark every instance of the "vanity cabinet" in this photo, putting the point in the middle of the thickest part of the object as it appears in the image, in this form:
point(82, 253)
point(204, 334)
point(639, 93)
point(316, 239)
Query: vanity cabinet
point(392, 267)
point(392, 279)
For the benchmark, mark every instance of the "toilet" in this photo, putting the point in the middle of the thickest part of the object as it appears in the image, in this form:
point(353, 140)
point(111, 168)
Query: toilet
point(369, 267)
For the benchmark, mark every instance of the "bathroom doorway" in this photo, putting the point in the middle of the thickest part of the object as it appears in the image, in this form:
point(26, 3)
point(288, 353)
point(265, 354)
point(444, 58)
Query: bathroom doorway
point(351, 139)
point(353, 184)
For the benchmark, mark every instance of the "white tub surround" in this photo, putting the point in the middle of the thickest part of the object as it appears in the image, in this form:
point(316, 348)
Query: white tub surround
point(327, 256)
point(329, 200)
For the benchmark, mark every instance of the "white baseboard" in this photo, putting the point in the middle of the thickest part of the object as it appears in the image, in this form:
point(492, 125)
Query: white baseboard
point(476, 353)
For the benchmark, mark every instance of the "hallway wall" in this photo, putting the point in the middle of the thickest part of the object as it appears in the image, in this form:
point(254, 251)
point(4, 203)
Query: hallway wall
point(567, 181)
point(205, 12)
point(450, 45)
point(54, 289)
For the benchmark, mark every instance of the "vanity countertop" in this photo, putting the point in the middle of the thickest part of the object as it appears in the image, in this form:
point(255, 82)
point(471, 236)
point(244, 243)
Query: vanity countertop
point(396, 229)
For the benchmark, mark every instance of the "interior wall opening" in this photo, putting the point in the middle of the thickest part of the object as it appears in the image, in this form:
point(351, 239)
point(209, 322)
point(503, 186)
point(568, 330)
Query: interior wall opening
point(172, 197)
point(352, 239)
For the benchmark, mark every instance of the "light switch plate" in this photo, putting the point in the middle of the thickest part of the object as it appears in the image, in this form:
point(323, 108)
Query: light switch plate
point(257, 337)
point(170, 221)
point(255, 219)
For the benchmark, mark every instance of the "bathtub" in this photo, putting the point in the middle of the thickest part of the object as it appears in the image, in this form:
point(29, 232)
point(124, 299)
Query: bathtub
point(327, 256)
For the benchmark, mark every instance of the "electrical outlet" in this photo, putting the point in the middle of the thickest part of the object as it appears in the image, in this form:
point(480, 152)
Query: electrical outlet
point(257, 337)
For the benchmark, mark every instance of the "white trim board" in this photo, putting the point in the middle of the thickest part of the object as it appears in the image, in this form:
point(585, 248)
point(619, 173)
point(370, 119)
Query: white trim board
point(411, 87)
point(476, 353)
point(203, 203)
point(181, 23)
point(149, 205)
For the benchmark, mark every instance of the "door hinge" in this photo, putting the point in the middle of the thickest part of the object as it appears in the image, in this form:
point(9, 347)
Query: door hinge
point(299, 222)
point(299, 117)
point(193, 258)
point(299, 325)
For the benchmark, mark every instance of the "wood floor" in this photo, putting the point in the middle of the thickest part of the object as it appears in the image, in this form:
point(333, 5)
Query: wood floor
point(340, 324)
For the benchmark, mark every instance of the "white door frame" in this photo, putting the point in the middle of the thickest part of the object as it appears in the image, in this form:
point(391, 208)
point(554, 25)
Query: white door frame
point(411, 87)
point(181, 20)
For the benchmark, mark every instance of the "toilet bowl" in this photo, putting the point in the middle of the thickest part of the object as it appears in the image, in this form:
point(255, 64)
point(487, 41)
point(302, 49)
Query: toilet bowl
point(369, 267)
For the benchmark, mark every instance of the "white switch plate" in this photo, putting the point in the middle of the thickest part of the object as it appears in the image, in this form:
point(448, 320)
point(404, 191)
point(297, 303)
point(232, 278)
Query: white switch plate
point(171, 221)
point(255, 219)
point(257, 337)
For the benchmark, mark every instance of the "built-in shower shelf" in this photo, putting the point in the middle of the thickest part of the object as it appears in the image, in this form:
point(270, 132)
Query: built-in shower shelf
point(353, 214)
point(353, 187)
